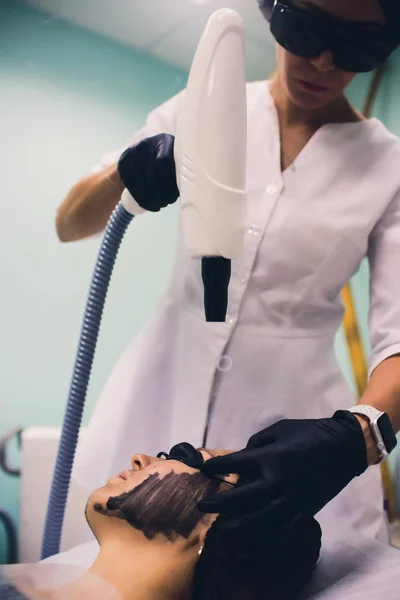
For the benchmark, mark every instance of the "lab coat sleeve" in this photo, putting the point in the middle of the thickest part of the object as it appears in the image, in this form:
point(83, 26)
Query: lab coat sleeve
point(162, 119)
point(384, 264)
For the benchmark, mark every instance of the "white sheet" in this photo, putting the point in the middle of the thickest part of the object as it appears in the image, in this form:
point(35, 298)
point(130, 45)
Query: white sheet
point(54, 581)
point(352, 567)
point(82, 555)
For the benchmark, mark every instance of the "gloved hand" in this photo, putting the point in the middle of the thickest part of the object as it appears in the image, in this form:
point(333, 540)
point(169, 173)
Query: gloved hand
point(292, 466)
point(148, 171)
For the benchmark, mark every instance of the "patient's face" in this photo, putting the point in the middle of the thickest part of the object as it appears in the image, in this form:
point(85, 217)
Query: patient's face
point(156, 496)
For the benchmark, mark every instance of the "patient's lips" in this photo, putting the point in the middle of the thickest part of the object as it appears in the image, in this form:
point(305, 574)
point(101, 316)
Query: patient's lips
point(124, 475)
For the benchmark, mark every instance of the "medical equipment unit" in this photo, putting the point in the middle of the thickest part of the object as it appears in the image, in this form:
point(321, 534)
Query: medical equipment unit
point(6, 520)
point(210, 157)
point(39, 446)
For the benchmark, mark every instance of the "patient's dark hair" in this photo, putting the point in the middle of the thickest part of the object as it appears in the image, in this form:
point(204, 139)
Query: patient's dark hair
point(258, 564)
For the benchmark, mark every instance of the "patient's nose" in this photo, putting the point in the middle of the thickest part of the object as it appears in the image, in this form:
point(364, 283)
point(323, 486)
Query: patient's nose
point(141, 461)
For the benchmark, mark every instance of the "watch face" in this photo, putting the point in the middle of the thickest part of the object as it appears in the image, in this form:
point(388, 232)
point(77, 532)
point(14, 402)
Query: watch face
point(387, 433)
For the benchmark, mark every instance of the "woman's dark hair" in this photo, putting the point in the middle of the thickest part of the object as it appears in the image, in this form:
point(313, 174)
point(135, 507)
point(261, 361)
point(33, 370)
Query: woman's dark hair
point(257, 564)
point(266, 7)
point(391, 9)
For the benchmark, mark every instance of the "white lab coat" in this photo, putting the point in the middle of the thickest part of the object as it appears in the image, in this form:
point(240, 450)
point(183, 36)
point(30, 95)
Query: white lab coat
point(307, 230)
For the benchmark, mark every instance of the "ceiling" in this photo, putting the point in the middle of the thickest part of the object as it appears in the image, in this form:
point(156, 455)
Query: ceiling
point(166, 29)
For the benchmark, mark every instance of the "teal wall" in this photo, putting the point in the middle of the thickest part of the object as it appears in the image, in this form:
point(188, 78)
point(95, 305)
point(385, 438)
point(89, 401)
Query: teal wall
point(68, 96)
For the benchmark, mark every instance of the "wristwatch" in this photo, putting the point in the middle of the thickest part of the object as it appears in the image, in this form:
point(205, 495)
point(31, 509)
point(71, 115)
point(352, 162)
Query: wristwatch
point(381, 429)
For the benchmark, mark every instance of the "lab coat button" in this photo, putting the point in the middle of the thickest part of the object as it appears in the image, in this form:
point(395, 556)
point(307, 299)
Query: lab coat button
point(254, 229)
point(272, 189)
point(243, 277)
point(230, 321)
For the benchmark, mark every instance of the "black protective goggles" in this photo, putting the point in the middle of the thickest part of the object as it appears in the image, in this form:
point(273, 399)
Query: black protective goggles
point(310, 32)
point(185, 453)
point(190, 456)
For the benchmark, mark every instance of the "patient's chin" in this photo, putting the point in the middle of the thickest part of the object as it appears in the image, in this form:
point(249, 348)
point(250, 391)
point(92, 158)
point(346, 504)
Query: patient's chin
point(91, 515)
point(96, 504)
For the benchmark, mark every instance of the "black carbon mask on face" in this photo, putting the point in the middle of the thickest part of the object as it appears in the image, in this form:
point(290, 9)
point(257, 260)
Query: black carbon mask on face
point(165, 505)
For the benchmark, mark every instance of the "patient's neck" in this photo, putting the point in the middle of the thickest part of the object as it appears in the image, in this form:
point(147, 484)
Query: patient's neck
point(148, 571)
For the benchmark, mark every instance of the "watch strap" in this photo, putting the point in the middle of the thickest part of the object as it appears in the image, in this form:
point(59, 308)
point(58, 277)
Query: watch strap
point(383, 446)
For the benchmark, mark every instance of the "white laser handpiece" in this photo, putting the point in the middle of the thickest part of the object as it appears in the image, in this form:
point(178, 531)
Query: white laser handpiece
point(210, 157)
point(210, 142)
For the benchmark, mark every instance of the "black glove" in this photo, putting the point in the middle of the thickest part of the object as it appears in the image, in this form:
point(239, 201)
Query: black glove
point(148, 171)
point(292, 466)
